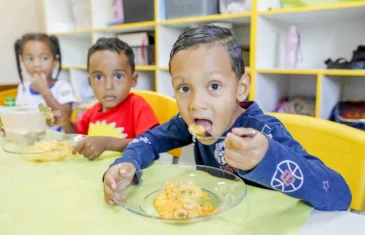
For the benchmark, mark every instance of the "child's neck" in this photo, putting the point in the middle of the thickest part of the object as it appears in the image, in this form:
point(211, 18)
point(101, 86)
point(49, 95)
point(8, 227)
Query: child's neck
point(239, 110)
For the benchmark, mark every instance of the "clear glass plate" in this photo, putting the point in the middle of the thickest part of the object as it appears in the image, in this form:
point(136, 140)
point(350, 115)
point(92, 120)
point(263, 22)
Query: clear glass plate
point(32, 153)
point(226, 190)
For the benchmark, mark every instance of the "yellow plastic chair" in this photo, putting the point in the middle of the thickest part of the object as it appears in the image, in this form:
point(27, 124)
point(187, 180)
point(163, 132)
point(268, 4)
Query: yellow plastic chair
point(7, 94)
point(165, 108)
point(74, 114)
point(340, 147)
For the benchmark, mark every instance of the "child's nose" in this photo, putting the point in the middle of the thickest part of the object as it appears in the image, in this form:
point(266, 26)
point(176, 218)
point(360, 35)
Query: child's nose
point(197, 102)
point(108, 83)
point(36, 62)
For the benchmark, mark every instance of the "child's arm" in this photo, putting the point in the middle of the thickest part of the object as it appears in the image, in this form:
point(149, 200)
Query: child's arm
point(63, 120)
point(55, 105)
point(146, 148)
point(113, 182)
point(93, 146)
point(69, 127)
point(284, 165)
point(64, 94)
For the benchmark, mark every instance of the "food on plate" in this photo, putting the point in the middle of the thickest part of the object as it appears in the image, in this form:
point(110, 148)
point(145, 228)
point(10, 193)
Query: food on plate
point(50, 150)
point(52, 145)
point(179, 200)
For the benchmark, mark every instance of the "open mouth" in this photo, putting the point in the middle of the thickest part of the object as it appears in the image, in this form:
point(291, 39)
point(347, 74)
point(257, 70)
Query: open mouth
point(207, 124)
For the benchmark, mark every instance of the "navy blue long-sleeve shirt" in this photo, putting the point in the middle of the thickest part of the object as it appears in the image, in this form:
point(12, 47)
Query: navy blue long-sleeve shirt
point(286, 167)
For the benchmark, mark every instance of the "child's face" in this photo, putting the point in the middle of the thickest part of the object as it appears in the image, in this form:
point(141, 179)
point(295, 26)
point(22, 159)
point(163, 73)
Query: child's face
point(111, 77)
point(38, 58)
point(206, 88)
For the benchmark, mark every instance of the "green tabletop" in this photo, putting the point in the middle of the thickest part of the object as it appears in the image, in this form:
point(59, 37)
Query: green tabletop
point(67, 198)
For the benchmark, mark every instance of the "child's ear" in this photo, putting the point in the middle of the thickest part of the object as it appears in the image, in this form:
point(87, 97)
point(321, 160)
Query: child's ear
point(134, 79)
point(243, 87)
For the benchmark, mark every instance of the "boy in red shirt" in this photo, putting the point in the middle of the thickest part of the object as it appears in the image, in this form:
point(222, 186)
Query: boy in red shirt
point(119, 116)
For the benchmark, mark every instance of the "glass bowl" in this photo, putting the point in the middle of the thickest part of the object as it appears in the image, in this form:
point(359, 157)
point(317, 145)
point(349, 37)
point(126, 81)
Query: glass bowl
point(48, 148)
point(225, 190)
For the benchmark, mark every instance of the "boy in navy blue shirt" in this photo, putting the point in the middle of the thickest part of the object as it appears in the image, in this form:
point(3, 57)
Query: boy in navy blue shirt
point(211, 87)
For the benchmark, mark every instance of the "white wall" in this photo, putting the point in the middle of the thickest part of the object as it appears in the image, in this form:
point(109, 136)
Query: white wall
point(17, 17)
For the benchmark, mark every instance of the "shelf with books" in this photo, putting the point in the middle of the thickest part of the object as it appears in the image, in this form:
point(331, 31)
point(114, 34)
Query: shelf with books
point(326, 31)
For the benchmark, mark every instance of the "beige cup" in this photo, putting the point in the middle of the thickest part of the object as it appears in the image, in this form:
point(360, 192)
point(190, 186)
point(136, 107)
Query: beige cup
point(23, 125)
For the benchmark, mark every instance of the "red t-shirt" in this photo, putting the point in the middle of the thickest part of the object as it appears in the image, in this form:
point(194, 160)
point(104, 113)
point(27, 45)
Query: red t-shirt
point(132, 117)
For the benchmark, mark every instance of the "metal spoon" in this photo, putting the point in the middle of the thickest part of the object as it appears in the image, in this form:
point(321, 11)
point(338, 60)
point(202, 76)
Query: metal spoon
point(208, 136)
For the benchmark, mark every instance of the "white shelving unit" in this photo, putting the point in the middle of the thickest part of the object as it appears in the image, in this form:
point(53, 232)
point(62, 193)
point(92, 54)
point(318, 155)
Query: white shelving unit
point(277, 86)
point(324, 34)
point(74, 47)
point(327, 31)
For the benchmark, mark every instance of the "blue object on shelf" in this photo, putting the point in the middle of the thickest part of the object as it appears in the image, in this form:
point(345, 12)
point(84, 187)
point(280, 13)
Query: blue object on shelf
point(163, 10)
point(115, 23)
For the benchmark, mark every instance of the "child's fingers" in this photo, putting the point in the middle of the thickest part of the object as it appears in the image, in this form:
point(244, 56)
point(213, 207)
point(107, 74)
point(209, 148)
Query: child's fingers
point(86, 152)
point(118, 177)
point(127, 169)
point(125, 177)
point(108, 192)
point(35, 75)
point(230, 159)
point(237, 143)
point(94, 156)
point(112, 175)
point(109, 201)
point(50, 121)
point(57, 113)
point(110, 180)
point(244, 132)
point(42, 76)
point(119, 193)
point(238, 160)
point(108, 195)
point(89, 151)
point(78, 147)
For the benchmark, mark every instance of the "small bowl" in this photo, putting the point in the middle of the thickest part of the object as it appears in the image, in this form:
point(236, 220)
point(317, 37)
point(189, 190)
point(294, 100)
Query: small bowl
point(30, 153)
point(225, 189)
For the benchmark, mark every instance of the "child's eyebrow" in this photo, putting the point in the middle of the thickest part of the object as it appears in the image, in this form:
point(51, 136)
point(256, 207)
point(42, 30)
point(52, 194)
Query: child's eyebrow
point(178, 79)
point(119, 70)
point(215, 73)
point(42, 54)
point(96, 71)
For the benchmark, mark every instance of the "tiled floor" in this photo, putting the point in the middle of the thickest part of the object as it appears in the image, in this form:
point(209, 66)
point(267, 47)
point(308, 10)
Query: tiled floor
point(187, 158)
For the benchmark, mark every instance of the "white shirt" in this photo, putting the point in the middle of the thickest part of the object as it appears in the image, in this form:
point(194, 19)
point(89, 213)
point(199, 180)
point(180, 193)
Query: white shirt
point(61, 91)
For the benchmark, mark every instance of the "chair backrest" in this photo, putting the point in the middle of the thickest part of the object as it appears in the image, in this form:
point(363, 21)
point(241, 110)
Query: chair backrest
point(6, 94)
point(164, 107)
point(340, 147)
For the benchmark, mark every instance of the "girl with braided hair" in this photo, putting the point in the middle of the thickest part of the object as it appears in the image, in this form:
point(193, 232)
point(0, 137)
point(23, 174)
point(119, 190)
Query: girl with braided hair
point(41, 54)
